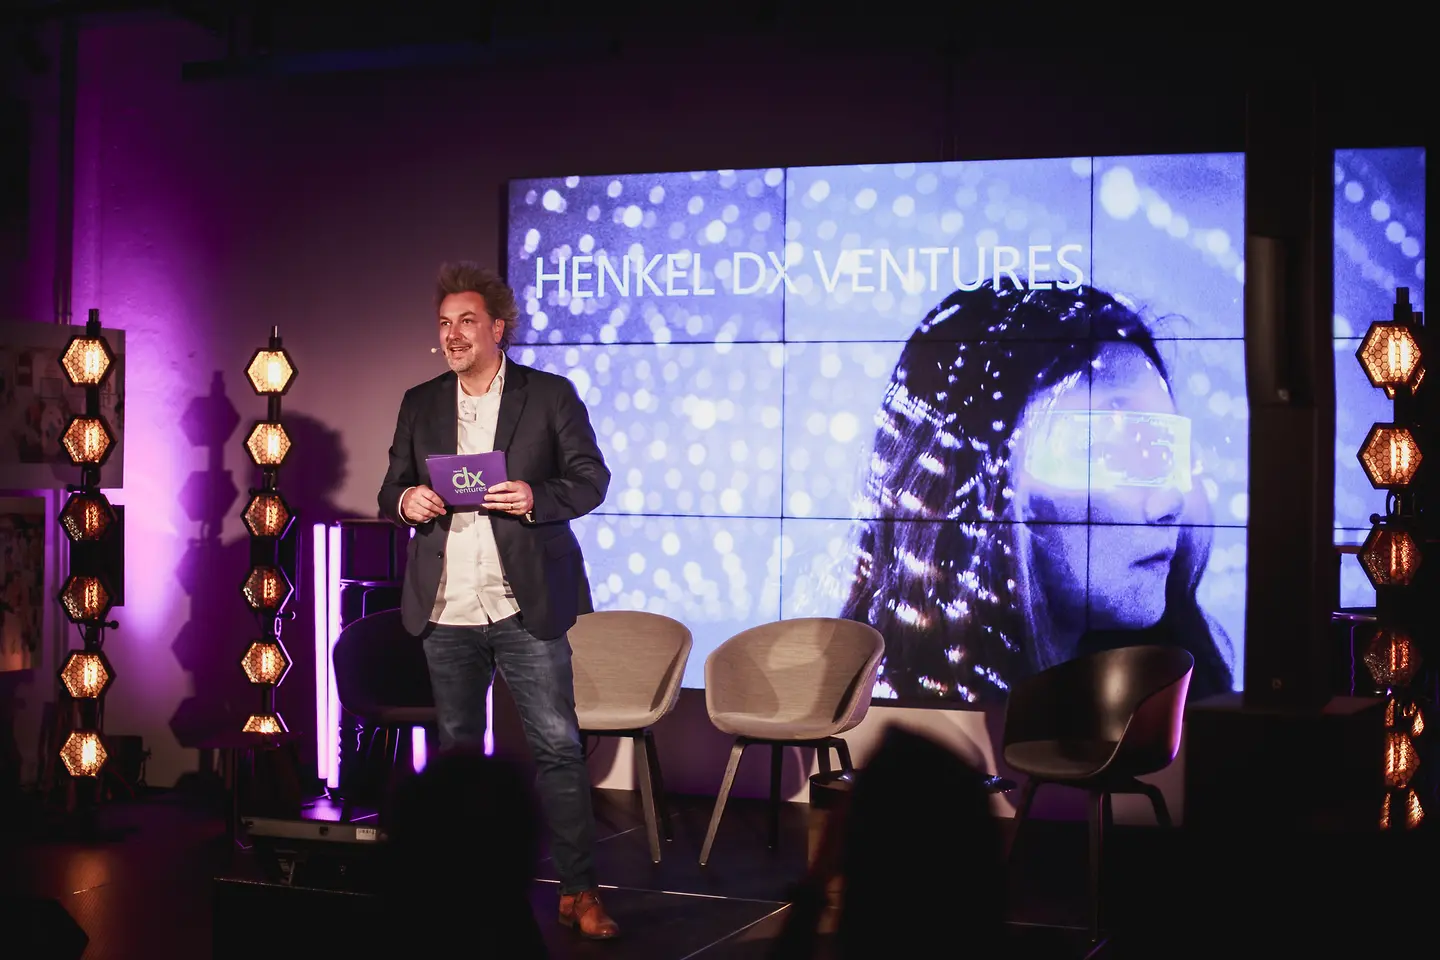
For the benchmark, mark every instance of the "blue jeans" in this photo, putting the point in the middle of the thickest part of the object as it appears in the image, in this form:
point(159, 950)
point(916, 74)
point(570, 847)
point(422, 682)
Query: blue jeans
point(462, 663)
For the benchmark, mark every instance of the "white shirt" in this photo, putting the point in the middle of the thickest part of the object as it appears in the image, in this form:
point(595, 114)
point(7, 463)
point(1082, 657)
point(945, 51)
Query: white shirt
point(473, 589)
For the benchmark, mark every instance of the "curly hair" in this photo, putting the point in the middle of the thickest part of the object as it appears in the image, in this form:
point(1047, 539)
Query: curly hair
point(469, 277)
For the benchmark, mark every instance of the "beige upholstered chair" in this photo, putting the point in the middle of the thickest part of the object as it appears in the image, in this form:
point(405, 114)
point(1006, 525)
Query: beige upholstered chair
point(628, 666)
point(791, 683)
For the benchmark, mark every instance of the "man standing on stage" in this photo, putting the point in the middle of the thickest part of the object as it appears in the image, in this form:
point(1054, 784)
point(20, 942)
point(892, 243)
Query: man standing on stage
point(500, 586)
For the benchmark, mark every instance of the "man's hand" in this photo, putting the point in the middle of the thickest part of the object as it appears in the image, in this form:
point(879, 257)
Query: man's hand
point(420, 504)
point(510, 496)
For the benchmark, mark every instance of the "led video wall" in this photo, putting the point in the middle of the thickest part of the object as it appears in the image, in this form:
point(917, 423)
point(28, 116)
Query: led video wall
point(995, 408)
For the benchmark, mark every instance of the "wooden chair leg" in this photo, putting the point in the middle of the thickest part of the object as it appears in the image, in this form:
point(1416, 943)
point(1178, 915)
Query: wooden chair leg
point(736, 752)
point(1099, 815)
point(347, 805)
point(647, 795)
point(657, 779)
point(777, 766)
point(822, 755)
point(1022, 813)
point(843, 749)
point(1157, 801)
point(380, 771)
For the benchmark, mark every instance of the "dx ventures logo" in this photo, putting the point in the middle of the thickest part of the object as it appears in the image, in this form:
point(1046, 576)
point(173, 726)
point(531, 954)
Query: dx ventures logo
point(463, 479)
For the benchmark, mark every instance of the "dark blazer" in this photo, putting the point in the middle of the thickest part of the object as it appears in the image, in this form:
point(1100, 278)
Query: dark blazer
point(545, 431)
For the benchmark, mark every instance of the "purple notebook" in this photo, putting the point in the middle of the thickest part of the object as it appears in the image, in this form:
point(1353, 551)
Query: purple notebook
point(461, 479)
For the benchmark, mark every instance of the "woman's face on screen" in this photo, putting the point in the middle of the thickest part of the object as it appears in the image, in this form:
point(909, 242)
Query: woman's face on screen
point(1103, 469)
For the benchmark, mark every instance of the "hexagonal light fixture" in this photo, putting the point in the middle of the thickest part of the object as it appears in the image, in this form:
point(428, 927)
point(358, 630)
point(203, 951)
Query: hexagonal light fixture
point(83, 754)
point(86, 674)
point(271, 372)
point(1390, 356)
point(266, 724)
point(85, 599)
point(1406, 813)
point(267, 589)
point(87, 360)
point(1401, 759)
point(268, 444)
point(87, 517)
point(1390, 557)
point(1390, 456)
point(265, 662)
point(267, 515)
point(1392, 659)
point(87, 440)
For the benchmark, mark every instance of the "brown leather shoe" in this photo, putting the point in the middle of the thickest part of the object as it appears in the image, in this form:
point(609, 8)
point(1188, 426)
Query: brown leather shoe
point(584, 912)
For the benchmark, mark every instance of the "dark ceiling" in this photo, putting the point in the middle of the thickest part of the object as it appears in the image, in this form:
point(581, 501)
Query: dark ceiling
point(305, 25)
point(981, 45)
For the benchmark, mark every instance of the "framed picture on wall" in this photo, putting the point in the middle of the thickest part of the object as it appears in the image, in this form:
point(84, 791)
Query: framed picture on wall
point(37, 402)
point(22, 580)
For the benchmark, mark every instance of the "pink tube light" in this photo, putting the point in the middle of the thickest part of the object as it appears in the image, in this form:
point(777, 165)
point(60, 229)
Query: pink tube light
point(332, 694)
point(325, 726)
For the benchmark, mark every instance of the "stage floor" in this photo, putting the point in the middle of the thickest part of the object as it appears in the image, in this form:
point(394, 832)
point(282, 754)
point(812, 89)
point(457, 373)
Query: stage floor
point(148, 889)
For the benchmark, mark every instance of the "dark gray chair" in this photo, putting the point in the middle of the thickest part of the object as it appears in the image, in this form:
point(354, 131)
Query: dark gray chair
point(381, 677)
point(1097, 723)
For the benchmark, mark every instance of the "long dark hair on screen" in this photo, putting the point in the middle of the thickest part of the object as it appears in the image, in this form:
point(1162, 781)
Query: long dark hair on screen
point(938, 569)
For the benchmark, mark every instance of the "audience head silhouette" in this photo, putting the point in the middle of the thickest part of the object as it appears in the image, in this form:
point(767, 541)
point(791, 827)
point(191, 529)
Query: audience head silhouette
point(464, 840)
point(923, 858)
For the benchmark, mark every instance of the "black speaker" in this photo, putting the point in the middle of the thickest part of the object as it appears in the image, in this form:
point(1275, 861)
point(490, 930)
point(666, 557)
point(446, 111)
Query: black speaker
point(39, 928)
point(1289, 370)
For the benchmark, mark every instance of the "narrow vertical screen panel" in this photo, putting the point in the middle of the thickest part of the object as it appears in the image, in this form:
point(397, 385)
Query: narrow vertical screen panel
point(1379, 247)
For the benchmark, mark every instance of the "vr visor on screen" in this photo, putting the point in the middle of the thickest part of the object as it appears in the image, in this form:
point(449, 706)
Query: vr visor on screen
point(1109, 449)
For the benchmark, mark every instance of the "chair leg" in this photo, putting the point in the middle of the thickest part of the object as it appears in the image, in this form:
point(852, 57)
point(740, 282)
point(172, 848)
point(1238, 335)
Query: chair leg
point(843, 749)
point(657, 780)
point(777, 766)
point(376, 778)
point(822, 755)
point(647, 795)
point(736, 752)
point(1099, 814)
point(347, 805)
point(392, 760)
point(1022, 813)
point(1157, 800)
